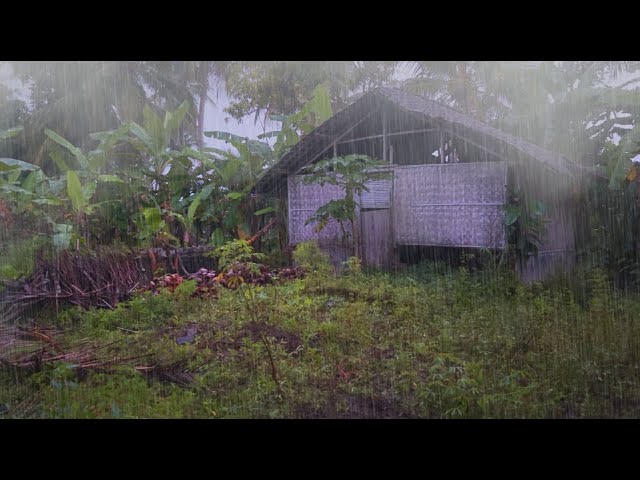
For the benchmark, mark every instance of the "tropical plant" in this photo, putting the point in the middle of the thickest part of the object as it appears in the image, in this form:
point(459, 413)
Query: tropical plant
point(609, 229)
point(173, 174)
point(283, 88)
point(82, 173)
point(525, 220)
point(104, 95)
point(236, 251)
point(30, 194)
point(311, 258)
point(351, 173)
point(570, 107)
point(236, 171)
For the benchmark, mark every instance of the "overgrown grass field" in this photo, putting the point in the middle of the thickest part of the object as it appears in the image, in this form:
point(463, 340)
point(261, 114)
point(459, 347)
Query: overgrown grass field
point(362, 345)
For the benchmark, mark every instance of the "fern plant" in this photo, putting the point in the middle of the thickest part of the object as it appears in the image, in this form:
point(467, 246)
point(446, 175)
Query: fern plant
point(238, 251)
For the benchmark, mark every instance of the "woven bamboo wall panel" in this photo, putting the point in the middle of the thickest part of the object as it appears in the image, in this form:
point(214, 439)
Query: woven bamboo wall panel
point(304, 200)
point(378, 196)
point(450, 205)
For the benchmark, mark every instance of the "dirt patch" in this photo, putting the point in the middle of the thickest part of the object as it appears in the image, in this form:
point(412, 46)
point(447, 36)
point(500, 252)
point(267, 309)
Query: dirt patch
point(255, 332)
point(290, 341)
point(383, 354)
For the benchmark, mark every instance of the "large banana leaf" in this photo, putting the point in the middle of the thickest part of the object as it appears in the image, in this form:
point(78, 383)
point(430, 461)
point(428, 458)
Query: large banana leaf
point(12, 132)
point(82, 159)
point(74, 191)
point(200, 197)
point(12, 163)
point(629, 147)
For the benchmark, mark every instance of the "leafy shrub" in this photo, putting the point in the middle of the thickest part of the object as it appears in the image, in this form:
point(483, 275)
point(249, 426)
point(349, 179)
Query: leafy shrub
point(17, 259)
point(353, 265)
point(311, 258)
point(237, 251)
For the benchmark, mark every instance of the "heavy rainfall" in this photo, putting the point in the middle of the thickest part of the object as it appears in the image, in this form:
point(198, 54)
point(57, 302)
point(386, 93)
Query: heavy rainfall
point(366, 239)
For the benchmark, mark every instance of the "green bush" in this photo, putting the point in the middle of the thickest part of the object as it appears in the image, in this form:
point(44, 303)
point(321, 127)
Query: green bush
point(237, 251)
point(353, 265)
point(17, 259)
point(311, 258)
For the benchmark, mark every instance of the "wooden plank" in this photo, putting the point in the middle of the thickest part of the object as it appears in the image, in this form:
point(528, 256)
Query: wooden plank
point(392, 134)
point(557, 252)
point(546, 264)
point(385, 139)
point(376, 244)
point(378, 196)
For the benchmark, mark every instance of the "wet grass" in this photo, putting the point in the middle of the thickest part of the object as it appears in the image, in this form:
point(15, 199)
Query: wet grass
point(418, 345)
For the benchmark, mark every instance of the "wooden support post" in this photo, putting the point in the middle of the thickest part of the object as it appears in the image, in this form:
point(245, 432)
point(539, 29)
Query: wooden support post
point(336, 140)
point(392, 261)
point(385, 140)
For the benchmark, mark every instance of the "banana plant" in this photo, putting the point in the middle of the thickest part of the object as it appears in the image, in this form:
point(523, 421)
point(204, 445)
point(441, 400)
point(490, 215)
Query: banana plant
point(81, 184)
point(237, 171)
point(622, 166)
point(11, 166)
point(18, 186)
point(174, 176)
point(33, 193)
point(153, 140)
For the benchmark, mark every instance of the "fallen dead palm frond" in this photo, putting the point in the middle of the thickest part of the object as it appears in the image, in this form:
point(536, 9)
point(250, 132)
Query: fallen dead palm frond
point(74, 278)
point(30, 348)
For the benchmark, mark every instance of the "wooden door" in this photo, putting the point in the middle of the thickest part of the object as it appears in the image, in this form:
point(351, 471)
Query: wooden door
point(375, 237)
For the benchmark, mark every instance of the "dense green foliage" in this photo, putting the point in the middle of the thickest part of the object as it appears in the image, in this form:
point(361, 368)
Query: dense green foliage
point(526, 224)
point(145, 178)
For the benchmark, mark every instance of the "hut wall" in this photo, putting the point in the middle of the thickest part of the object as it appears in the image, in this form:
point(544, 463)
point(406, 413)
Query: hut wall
point(457, 205)
point(304, 200)
point(378, 196)
point(557, 250)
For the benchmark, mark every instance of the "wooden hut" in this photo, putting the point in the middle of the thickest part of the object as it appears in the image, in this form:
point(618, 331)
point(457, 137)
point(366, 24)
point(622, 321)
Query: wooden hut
point(451, 178)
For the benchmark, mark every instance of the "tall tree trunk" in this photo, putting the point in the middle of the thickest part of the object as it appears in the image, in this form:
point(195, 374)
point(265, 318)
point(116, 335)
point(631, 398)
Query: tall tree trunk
point(355, 230)
point(356, 239)
point(204, 89)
